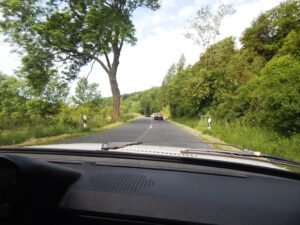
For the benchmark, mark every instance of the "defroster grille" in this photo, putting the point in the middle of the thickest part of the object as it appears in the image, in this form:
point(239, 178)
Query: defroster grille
point(121, 182)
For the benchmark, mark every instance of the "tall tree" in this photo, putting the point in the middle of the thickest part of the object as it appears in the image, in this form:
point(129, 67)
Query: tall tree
point(72, 33)
point(205, 26)
point(181, 63)
point(171, 73)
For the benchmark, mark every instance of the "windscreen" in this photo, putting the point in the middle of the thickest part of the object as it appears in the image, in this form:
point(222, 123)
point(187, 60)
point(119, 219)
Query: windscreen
point(163, 73)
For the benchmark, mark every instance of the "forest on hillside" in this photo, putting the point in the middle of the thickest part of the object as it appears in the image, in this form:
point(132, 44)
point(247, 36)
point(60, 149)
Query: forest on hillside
point(257, 84)
point(252, 93)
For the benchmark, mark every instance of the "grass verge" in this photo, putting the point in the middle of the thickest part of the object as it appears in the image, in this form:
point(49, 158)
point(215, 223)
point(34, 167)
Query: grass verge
point(253, 138)
point(205, 137)
point(55, 133)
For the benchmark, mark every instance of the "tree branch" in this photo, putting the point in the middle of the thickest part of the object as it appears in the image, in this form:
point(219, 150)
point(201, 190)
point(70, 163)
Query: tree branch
point(106, 2)
point(64, 61)
point(107, 61)
point(91, 69)
point(74, 11)
point(121, 44)
point(102, 64)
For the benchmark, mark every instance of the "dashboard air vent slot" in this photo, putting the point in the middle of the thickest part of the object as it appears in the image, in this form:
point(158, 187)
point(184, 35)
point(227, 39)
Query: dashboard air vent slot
point(121, 182)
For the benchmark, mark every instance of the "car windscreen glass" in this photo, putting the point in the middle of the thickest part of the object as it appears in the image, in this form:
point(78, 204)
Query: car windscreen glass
point(187, 75)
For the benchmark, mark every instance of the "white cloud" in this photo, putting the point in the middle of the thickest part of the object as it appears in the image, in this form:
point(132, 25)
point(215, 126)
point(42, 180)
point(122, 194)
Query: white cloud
point(246, 12)
point(147, 63)
point(156, 19)
point(186, 12)
point(167, 4)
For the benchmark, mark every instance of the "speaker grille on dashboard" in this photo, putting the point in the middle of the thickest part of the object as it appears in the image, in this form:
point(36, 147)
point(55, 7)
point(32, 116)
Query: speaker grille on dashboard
point(121, 182)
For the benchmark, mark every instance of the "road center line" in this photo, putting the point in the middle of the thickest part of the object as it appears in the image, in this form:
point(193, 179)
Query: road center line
point(145, 133)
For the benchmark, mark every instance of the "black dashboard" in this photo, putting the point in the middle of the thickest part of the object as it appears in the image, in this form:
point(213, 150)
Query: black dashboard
point(62, 189)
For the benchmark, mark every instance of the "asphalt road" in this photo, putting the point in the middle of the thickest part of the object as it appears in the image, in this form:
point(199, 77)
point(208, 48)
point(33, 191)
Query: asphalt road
point(147, 131)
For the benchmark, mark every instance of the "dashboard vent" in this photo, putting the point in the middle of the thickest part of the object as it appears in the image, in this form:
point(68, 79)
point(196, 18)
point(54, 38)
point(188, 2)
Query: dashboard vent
point(121, 182)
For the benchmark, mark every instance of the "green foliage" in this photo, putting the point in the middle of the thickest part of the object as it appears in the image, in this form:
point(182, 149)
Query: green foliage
point(86, 93)
point(12, 105)
point(181, 99)
point(268, 31)
point(271, 100)
point(278, 92)
point(62, 36)
point(254, 90)
point(129, 116)
point(245, 85)
point(69, 30)
point(26, 114)
point(254, 138)
point(20, 106)
point(145, 102)
point(193, 88)
point(291, 44)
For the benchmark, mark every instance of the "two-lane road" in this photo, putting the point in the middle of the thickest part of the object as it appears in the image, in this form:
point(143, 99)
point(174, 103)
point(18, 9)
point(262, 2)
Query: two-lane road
point(147, 131)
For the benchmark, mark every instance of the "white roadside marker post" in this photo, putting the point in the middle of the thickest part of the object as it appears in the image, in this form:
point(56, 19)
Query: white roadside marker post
point(84, 121)
point(209, 122)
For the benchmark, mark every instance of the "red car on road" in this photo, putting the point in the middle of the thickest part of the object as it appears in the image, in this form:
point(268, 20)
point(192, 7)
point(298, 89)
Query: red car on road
point(158, 116)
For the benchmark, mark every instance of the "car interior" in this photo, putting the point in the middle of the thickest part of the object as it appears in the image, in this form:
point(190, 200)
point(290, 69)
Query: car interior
point(77, 187)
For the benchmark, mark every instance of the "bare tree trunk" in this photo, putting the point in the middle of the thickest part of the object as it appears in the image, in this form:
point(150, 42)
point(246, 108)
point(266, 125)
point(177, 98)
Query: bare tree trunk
point(114, 86)
point(111, 69)
point(116, 96)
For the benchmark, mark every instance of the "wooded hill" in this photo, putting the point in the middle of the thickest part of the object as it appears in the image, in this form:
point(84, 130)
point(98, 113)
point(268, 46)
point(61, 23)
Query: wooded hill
point(252, 93)
point(257, 84)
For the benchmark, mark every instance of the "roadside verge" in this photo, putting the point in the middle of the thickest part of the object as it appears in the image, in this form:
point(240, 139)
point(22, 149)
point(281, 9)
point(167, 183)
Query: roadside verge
point(211, 140)
point(58, 138)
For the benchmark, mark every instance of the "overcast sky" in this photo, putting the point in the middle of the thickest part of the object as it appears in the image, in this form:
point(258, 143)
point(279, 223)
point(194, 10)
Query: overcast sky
point(160, 42)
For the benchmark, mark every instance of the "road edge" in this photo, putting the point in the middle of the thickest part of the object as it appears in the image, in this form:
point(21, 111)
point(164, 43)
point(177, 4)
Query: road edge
point(204, 137)
point(63, 137)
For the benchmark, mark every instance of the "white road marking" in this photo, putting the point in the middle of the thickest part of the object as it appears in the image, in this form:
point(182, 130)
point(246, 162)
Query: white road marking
point(145, 133)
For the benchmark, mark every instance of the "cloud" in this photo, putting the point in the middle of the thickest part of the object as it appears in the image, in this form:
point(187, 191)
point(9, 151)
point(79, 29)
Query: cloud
point(186, 12)
point(168, 4)
point(246, 12)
